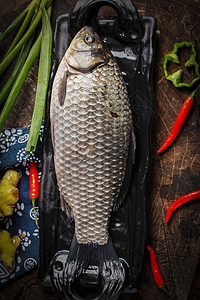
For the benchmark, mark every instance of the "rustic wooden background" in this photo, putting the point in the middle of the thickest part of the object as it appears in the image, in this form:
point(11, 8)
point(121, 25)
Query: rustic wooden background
point(173, 173)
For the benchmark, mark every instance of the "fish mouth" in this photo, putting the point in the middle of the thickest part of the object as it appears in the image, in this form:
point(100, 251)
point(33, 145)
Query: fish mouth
point(85, 51)
point(100, 52)
point(86, 70)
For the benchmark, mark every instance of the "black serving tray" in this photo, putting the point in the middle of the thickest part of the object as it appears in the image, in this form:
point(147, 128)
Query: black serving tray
point(131, 40)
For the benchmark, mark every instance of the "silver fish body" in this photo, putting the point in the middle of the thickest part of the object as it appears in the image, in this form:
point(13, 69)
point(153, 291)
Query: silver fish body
point(91, 125)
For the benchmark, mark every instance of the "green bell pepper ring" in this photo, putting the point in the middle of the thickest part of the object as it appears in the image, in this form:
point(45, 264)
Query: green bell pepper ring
point(173, 57)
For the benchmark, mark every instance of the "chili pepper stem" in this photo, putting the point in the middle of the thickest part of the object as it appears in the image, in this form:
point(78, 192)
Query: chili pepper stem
point(163, 288)
point(192, 95)
point(33, 203)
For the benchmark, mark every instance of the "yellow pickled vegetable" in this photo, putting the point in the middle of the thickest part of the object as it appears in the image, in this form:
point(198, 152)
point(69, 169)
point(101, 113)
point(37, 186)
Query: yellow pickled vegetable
point(9, 194)
point(8, 247)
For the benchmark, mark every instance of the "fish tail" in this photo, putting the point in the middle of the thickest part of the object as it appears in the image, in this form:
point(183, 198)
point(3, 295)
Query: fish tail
point(96, 266)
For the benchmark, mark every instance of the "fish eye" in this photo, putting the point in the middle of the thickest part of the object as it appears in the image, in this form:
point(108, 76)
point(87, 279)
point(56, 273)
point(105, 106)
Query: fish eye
point(89, 39)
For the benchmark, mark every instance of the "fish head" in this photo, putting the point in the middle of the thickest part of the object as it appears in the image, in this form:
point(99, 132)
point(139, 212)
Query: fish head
point(86, 51)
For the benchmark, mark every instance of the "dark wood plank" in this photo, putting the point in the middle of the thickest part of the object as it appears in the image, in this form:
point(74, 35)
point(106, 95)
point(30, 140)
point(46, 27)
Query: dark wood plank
point(176, 243)
point(173, 173)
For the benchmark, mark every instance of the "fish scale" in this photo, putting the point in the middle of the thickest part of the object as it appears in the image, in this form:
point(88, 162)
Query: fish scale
point(91, 134)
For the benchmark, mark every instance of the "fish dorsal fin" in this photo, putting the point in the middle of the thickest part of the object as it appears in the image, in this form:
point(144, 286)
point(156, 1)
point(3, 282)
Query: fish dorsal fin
point(62, 87)
point(66, 208)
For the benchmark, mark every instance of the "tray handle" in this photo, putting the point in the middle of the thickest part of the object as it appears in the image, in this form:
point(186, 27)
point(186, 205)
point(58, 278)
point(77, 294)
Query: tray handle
point(128, 26)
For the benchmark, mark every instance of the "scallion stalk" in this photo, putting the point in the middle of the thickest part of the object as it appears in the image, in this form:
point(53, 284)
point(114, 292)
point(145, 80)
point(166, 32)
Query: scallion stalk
point(8, 59)
point(43, 79)
point(20, 62)
point(13, 25)
point(20, 81)
point(34, 5)
point(43, 42)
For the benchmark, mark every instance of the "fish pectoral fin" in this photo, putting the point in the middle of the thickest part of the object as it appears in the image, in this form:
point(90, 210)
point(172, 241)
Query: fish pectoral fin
point(62, 87)
point(128, 174)
point(133, 145)
point(66, 208)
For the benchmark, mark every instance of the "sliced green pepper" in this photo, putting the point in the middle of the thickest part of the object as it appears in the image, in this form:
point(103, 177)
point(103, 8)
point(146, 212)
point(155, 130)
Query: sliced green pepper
point(173, 57)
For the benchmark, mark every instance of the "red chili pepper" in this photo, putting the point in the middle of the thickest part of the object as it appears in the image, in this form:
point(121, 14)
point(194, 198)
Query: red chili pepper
point(184, 199)
point(155, 269)
point(33, 186)
point(179, 120)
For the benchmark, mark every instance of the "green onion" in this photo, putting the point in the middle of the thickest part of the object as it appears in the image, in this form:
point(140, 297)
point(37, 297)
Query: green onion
point(8, 59)
point(13, 25)
point(20, 62)
point(43, 79)
point(20, 81)
point(15, 82)
point(34, 5)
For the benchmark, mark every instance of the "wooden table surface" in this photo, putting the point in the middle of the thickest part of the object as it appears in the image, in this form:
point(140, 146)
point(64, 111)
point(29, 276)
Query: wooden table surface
point(173, 173)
